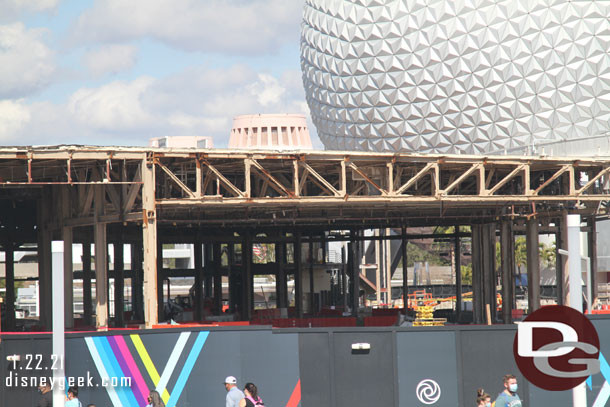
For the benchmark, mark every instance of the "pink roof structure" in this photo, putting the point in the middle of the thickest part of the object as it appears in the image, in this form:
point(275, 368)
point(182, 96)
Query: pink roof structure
point(270, 131)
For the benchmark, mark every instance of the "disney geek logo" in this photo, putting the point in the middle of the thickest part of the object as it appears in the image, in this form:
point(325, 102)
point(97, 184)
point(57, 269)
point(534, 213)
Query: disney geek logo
point(556, 348)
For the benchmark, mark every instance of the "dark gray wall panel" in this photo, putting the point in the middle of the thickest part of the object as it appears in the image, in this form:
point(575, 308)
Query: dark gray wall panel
point(426, 355)
point(363, 379)
point(315, 368)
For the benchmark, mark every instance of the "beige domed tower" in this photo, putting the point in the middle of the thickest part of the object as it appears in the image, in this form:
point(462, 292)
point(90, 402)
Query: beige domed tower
point(270, 132)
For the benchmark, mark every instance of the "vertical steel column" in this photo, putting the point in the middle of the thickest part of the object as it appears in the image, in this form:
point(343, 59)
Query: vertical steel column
point(533, 265)
point(231, 276)
point(137, 277)
point(405, 274)
point(378, 268)
point(67, 237)
point(217, 279)
point(387, 266)
point(477, 275)
point(247, 278)
point(87, 301)
point(311, 282)
point(298, 275)
point(9, 312)
point(579, 393)
point(198, 248)
point(507, 256)
point(457, 253)
point(281, 292)
point(58, 337)
point(562, 263)
point(149, 238)
point(161, 282)
point(354, 262)
point(119, 283)
point(208, 270)
point(101, 261)
point(592, 253)
point(44, 260)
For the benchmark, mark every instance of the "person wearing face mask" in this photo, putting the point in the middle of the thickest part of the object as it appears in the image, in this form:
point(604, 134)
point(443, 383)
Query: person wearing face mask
point(509, 397)
point(483, 399)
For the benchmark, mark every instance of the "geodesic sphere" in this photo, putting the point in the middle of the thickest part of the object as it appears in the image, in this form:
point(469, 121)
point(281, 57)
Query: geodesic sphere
point(455, 75)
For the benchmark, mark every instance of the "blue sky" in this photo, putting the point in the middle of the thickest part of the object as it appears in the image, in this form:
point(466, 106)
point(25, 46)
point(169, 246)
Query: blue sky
point(118, 72)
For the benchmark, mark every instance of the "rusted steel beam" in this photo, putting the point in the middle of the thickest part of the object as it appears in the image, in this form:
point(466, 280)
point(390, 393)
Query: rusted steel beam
point(177, 180)
point(414, 179)
point(222, 179)
point(320, 178)
point(461, 178)
point(274, 183)
point(593, 180)
point(368, 179)
point(504, 180)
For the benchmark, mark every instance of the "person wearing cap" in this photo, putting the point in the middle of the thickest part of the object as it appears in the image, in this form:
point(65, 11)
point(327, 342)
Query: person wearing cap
point(234, 395)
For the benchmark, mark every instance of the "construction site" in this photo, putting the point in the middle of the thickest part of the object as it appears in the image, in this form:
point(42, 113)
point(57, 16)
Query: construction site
point(323, 234)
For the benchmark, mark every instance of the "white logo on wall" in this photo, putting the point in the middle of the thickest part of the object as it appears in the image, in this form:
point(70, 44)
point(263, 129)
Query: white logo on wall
point(428, 391)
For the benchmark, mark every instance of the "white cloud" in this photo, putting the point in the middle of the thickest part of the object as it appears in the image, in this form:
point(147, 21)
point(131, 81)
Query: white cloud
point(229, 26)
point(115, 106)
point(110, 59)
point(197, 101)
point(12, 8)
point(26, 63)
point(14, 115)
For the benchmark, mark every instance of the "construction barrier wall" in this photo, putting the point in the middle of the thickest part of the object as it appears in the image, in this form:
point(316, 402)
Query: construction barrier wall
point(434, 366)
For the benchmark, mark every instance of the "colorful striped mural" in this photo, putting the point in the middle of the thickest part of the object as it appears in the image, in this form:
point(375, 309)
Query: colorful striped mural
point(113, 359)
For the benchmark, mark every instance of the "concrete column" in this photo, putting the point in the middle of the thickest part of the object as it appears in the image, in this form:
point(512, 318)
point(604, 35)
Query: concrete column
point(101, 262)
point(298, 275)
point(405, 274)
point(458, 274)
point(10, 286)
point(507, 255)
point(217, 279)
point(198, 248)
point(281, 292)
point(149, 237)
point(87, 301)
point(119, 284)
point(533, 265)
point(67, 237)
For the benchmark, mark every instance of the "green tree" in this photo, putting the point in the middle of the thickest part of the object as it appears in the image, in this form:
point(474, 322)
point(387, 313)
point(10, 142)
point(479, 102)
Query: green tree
point(548, 254)
point(466, 274)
